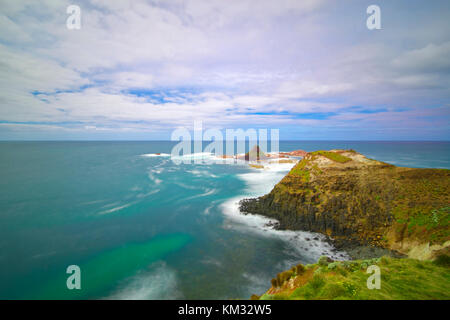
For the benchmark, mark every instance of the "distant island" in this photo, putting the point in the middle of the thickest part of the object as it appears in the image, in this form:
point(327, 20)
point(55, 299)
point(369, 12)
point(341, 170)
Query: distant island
point(395, 217)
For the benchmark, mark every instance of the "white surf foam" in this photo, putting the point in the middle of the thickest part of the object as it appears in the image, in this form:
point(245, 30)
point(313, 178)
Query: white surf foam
point(207, 192)
point(153, 178)
point(186, 186)
point(161, 283)
point(260, 182)
point(145, 195)
point(151, 155)
point(203, 173)
point(116, 208)
point(193, 156)
point(207, 210)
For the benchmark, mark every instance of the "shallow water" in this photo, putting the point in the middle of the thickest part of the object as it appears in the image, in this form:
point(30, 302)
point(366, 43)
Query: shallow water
point(142, 227)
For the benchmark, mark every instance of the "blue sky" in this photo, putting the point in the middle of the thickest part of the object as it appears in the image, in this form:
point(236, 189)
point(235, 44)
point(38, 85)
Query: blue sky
point(141, 69)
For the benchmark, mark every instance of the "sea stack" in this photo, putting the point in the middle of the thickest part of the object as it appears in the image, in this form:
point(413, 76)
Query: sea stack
point(255, 154)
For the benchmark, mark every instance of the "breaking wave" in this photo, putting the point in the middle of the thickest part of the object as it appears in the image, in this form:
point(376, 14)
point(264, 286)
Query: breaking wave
point(160, 283)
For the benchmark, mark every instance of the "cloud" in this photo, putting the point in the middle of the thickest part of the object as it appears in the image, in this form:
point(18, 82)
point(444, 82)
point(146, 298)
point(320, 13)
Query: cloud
point(151, 66)
point(431, 58)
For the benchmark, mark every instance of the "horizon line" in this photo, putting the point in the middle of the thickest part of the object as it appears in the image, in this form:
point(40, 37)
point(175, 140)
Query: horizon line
point(209, 141)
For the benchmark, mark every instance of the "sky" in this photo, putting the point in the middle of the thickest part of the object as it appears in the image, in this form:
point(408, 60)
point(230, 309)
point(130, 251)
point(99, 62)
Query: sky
point(138, 70)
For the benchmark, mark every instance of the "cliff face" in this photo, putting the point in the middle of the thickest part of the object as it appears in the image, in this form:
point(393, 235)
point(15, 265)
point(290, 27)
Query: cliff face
point(356, 200)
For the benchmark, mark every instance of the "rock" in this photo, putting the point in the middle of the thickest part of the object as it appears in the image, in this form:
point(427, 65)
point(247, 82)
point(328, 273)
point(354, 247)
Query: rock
point(357, 202)
point(324, 261)
point(298, 153)
point(272, 224)
point(295, 153)
point(254, 154)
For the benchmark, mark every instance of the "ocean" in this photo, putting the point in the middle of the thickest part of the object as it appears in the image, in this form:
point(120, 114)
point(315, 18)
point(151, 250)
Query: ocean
point(140, 226)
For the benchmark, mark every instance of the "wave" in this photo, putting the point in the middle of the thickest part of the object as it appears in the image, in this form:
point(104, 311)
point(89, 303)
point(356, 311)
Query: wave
point(186, 186)
point(158, 284)
point(151, 155)
point(145, 195)
point(207, 210)
point(203, 173)
point(194, 156)
point(207, 192)
point(153, 178)
point(260, 182)
point(116, 208)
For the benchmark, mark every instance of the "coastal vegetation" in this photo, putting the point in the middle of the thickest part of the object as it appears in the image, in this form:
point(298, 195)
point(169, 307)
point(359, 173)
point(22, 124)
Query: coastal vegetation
point(369, 209)
point(344, 280)
point(334, 156)
point(361, 202)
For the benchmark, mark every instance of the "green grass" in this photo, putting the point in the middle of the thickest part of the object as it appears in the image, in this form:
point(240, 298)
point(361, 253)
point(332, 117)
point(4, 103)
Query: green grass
point(300, 171)
point(435, 219)
point(303, 174)
point(334, 156)
point(400, 279)
point(422, 203)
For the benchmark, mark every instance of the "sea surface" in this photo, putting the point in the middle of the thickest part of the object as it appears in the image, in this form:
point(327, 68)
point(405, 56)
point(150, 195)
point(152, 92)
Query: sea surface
point(140, 226)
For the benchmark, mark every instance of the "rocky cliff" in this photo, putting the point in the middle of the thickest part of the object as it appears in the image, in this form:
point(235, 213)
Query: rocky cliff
point(359, 201)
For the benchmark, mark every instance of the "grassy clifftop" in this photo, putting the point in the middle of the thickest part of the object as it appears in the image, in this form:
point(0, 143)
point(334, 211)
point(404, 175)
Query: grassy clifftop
point(400, 279)
point(357, 200)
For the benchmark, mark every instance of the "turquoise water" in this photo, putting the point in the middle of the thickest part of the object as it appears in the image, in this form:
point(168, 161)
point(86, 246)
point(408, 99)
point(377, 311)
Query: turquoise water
point(142, 227)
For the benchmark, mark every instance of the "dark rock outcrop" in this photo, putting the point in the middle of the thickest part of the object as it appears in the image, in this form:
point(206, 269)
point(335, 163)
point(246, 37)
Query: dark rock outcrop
point(295, 153)
point(254, 154)
point(358, 201)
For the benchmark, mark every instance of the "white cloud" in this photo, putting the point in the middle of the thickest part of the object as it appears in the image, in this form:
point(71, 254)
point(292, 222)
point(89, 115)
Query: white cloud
point(229, 63)
point(431, 58)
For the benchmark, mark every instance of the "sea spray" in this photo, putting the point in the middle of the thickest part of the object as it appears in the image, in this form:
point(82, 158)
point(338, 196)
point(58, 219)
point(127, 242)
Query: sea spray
point(259, 182)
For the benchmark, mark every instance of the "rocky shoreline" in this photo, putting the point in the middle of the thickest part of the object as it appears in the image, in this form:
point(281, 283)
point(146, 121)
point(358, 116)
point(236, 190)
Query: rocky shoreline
point(365, 207)
point(354, 249)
